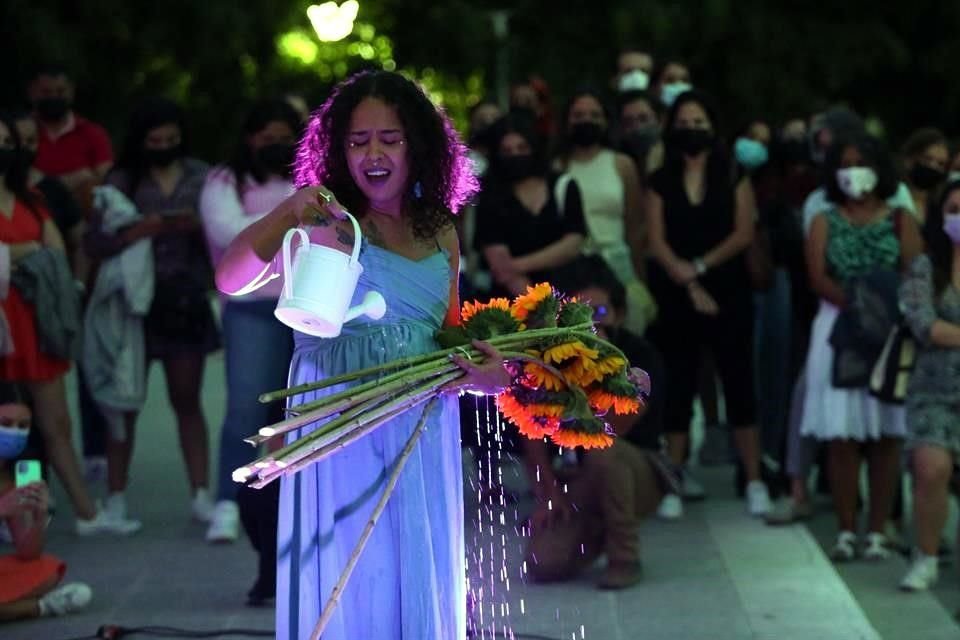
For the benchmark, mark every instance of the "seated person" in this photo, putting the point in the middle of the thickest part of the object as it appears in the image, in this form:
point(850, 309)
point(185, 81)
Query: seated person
point(601, 507)
point(28, 577)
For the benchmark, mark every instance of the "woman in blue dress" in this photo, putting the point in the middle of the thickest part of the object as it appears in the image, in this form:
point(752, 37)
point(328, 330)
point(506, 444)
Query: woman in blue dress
point(393, 159)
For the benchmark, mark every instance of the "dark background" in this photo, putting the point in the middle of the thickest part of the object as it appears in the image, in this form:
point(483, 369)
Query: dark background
point(897, 62)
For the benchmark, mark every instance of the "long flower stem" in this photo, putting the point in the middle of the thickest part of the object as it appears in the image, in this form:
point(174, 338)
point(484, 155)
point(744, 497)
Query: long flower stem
point(286, 459)
point(338, 588)
point(343, 401)
point(515, 340)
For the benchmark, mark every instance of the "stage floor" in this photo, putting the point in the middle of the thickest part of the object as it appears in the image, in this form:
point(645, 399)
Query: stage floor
point(715, 575)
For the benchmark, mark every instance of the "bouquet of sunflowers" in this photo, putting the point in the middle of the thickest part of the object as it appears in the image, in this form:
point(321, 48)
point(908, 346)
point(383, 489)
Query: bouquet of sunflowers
point(564, 380)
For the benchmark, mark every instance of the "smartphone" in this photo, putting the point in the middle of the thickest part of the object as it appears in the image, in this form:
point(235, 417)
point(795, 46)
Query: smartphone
point(27, 472)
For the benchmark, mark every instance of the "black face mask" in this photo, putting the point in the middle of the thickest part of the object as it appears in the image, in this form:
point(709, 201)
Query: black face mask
point(925, 177)
point(637, 143)
point(586, 134)
point(162, 158)
point(691, 142)
point(7, 158)
point(277, 158)
point(52, 109)
point(518, 167)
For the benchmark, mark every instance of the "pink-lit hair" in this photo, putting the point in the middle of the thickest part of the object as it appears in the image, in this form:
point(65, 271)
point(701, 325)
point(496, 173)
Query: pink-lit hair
point(438, 158)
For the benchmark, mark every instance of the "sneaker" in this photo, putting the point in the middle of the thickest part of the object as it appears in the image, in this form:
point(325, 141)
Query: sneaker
point(202, 506)
point(789, 511)
point(224, 523)
point(844, 549)
point(116, 506)
point(922, 574)
point(103, 522)
point(620, 575)
point(758, 498)
point(671, 507)
point(690, 488)
point(66, 599)
point(876, 547)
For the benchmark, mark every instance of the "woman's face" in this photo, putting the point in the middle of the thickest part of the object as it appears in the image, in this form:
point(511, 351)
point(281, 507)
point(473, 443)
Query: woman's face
point(637, 115)
point(675, 72)
point(514, 144)
point(760, 131)
point(587, 109)
point(936, 156)
point(275, 132)
point(377, 154)
point(692, 115)
point(852, 157)
point(166, 136)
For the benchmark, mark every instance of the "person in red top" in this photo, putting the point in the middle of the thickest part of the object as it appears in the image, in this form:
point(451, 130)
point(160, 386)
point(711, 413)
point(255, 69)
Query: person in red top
point(71, 147)
point(26, 227)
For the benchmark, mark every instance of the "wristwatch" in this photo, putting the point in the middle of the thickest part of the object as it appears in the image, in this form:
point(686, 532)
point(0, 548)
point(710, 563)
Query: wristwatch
point(700, 266)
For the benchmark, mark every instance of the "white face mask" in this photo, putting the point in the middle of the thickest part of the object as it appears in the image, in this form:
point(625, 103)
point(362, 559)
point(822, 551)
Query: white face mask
point(670, 92)
point(954, 175)
point(951, 226)
point(857, 182)
point(636, 80)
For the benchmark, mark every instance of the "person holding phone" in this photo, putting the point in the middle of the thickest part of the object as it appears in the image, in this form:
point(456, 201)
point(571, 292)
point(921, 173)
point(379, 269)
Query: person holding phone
point(28, 576)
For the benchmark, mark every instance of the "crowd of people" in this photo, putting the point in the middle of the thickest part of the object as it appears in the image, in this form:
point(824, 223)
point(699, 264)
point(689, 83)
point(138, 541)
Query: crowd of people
point(799, 270)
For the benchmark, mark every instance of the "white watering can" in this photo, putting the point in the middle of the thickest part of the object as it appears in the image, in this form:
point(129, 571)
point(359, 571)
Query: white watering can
point(319, 283)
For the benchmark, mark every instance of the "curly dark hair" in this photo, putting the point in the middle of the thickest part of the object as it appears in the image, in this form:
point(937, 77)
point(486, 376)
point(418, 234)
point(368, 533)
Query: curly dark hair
point(151, 113)
point(436, 155)
point(875, 155)
point(261, 114)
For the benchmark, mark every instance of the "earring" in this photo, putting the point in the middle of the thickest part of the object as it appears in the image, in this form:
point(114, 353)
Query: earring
point(417, 190)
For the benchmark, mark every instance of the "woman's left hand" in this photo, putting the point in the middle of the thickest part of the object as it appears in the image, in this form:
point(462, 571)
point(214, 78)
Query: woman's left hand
point(488, 376)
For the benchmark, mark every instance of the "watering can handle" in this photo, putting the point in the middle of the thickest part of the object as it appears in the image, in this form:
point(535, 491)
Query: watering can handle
point(288, 258)
point(357, 238)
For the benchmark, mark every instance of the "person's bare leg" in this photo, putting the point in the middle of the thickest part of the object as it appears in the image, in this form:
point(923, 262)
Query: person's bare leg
point(932, 467)
point(28, 606)
point(883, 457)
point(844, 456)
point(119, 456)
point(184, 373)
point(677, 444)
point(53, 420)
point(747, 440)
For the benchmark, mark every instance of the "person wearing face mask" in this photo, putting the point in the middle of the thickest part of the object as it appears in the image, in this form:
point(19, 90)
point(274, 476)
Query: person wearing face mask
point(157, 174)
point(235, 195)
point(529, 221)
point(930, 296)
point(640, 114)
point(610, 188)
point(634, 68)
point(70, 147)
point(855, 239)
point(671, 80)
point(751, 148)
point(925, 159)
point(29, 578)
point(701, 223)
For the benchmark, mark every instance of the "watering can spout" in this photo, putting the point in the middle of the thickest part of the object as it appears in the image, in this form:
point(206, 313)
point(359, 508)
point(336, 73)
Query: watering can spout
point(373, 306)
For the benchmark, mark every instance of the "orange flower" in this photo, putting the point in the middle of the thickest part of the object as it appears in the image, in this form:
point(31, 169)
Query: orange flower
point(527, 302)
point(471, 309)
point(572, 438)
point(604, 401)
point(582, 372)
point(532, 426)
point(542, 378)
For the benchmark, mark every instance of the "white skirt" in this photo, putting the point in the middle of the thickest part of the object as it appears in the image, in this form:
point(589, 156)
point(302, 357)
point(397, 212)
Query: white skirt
point(846, 414)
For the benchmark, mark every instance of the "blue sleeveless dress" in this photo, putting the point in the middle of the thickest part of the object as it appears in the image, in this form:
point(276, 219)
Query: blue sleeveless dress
point(409, 583)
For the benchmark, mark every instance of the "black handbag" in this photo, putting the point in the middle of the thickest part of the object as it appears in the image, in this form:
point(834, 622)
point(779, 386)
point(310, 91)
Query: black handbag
point(891, 373)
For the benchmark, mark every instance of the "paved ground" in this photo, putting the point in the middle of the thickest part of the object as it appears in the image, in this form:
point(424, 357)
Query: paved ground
point(715, 575)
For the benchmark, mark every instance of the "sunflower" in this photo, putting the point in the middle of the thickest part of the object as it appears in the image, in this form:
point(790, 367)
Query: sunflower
point(610, 364)
point(471, 309)
point(528, 302)
point(540, 377)
point(567, 350)
point(531, 425)
point(602, 400)
point(571, 438)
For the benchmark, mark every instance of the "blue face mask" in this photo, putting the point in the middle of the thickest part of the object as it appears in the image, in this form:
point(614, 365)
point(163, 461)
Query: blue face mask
point(750, 153)
point(13, 441)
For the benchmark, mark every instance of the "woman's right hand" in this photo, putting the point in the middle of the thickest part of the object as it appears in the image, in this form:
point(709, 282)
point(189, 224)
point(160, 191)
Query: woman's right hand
point(683, 272)
point(702, 301)
point(315, 206)
point(29, 499)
